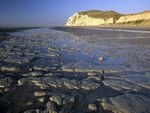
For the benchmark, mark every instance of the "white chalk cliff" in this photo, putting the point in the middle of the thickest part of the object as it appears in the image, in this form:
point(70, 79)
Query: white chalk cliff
point(97, 18)
point(134, 17)
point(85, 20)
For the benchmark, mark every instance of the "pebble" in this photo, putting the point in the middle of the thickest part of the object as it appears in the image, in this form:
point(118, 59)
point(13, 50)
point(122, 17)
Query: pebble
point(101, 58)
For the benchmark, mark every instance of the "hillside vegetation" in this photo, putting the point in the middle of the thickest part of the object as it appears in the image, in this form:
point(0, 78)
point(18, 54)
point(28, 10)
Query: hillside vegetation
point(101, 14)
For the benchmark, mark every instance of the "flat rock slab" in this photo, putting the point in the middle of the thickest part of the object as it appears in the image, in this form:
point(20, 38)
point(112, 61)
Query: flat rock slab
point(47, 82)
point(127, 103)
point(129, 82)
point(84, 66)
point(44, 64)
point(18, 59)
point(121, 85)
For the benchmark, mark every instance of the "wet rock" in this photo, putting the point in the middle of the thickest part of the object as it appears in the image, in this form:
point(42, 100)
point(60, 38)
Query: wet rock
point(39, 83)
point(91, 78)
point(49, 74)
point(68, 99)
point(147, 74)
point(44, 64)
point(98, 77)
point(91, 74)
point(121, 85)
point(29, 103)
point(9, 69)
point(87, 85)
point(65, 102)
point(6, 89)
point(130, 82)
point(50, 107)
point(51, 49)
point(55, 82)
point(22, 81)
point(39, 93)
point(71, 84)
point(138, 79)
point(68, 68)
point(92, 107)
point(41, 100)
point(56, 99)
point(84, 66)
point(33, 111)
point(6, 82)
point(18, 59)
point(102, 77)
point(33, 73)
point(127, 103)
point(40, 68)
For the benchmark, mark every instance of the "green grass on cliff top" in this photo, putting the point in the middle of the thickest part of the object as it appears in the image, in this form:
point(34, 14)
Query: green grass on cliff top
point(101, 14)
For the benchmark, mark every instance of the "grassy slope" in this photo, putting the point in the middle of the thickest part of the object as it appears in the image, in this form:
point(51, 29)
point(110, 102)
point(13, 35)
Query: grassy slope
point(101, 14)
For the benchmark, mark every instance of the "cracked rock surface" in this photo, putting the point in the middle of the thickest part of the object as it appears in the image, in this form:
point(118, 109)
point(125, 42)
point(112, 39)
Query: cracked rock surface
point(59, 70)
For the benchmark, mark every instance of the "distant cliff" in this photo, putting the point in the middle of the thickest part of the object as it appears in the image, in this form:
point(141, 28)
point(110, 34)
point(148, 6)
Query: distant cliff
point(98, 18)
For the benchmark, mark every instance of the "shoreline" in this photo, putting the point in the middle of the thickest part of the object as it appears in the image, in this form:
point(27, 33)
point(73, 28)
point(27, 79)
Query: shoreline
point(144, 28)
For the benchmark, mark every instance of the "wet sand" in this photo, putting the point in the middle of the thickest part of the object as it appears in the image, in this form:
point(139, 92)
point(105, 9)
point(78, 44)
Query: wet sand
point(57, 70)
point(138, 28)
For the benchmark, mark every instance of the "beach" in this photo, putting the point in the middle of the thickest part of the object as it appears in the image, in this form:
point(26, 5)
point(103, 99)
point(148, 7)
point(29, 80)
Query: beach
point(75, 70)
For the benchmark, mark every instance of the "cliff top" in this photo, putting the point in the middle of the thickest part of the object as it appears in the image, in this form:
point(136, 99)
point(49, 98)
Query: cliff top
point(144, 12)
point(100, 14)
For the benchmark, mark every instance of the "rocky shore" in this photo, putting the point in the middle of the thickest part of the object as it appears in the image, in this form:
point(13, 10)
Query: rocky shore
point(74, 70)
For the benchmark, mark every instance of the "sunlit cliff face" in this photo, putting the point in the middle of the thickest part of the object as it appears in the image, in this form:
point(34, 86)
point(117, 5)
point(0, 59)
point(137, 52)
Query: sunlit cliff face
point(134, 17)
point(85, 20)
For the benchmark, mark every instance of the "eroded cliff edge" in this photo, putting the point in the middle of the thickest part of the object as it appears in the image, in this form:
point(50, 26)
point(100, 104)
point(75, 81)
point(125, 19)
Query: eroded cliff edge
point(98, 18)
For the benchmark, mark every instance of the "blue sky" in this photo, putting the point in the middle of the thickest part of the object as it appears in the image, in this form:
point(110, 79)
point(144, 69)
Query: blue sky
point(56, 12)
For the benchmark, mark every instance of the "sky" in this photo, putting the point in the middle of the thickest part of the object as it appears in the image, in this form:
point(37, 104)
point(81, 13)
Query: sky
point(56, 12)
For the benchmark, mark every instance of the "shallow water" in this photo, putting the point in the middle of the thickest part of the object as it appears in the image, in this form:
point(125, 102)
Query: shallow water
point(119, 47)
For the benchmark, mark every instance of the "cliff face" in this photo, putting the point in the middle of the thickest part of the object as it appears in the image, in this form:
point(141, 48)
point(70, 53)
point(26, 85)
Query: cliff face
point(97, 18)
point(85, 20)
point(134, 18)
